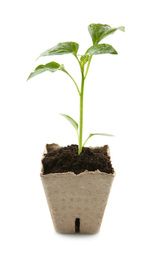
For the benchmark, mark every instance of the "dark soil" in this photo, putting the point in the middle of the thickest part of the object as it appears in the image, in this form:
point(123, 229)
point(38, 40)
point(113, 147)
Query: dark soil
point(66, 159)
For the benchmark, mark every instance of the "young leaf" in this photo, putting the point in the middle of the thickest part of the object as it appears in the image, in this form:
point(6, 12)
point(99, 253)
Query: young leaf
point(72, 121)
point(62, 48)
point(96, 134)
point(101, 49)
point(84, 59)
point(51, 66)
point(100, 31)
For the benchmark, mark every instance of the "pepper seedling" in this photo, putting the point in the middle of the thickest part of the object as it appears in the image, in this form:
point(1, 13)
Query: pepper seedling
point(97, 32)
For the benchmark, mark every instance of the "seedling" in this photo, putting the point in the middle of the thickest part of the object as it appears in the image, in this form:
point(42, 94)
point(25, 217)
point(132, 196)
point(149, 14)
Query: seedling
point(97, 32)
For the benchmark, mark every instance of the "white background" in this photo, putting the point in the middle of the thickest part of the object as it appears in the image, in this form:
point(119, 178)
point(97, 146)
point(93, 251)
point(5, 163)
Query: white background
point(118, 100)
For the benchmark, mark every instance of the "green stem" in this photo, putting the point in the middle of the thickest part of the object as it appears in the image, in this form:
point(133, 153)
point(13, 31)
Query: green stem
point(88, 66)
point(81, 112)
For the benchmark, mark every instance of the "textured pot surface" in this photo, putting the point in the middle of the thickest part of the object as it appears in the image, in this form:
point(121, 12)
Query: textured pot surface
point(77, 202)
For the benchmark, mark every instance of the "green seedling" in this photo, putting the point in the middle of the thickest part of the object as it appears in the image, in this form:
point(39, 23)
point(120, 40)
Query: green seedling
point(97, 32)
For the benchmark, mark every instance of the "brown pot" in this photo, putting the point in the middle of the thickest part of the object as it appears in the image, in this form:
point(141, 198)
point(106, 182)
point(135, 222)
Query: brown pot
point(76, 202)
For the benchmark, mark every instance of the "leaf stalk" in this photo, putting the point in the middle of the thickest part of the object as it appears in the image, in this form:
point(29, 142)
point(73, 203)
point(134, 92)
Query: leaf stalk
point(88, 65)
point(74, 82)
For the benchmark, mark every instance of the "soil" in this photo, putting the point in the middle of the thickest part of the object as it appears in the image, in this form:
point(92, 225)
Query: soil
point(66, 159)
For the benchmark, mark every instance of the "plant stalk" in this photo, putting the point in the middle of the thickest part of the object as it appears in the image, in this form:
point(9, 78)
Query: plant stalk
point(81, 112)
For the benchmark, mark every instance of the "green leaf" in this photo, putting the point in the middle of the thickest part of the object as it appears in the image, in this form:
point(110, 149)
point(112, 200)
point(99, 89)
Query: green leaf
point(101, 49)
point(96, 134)
point(51, 66)
point(100, 31)
point(71, 120)
point(62, 48)
point(84, 59)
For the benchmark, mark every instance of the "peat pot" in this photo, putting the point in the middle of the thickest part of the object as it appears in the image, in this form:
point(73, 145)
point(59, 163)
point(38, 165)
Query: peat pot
point(76, 202)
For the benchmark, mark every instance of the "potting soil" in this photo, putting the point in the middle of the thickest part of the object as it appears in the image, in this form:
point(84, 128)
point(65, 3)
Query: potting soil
point(66, 159)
